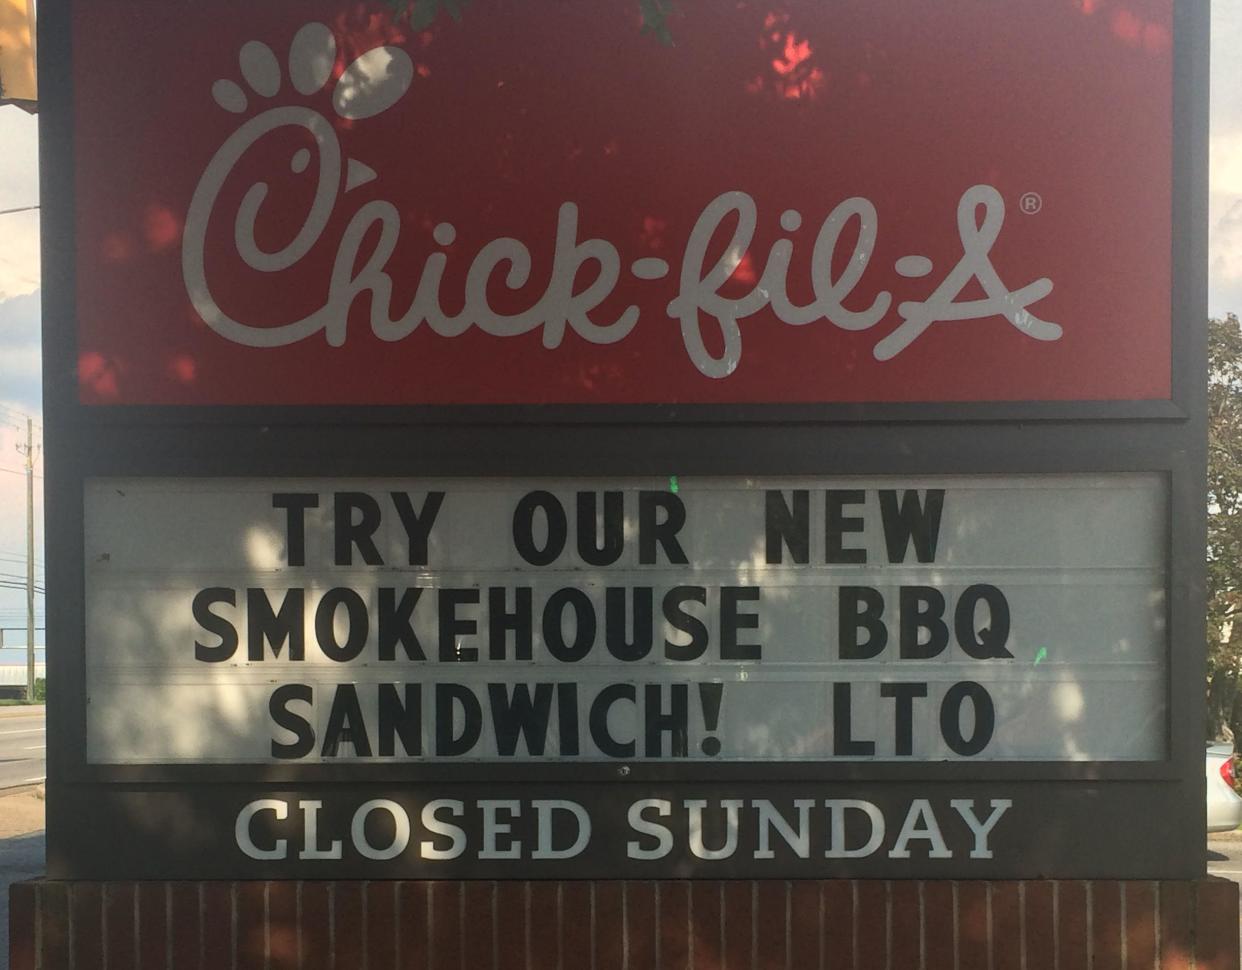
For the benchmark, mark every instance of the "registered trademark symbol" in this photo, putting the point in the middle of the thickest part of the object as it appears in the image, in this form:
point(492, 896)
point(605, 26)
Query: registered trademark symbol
point(1031, 202)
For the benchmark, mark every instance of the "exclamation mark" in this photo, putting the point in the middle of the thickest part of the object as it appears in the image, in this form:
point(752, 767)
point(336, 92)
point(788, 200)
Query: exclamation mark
point(710, 697)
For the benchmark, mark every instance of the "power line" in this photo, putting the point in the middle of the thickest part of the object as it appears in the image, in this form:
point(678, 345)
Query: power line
point(22, 415)
point(21, 208)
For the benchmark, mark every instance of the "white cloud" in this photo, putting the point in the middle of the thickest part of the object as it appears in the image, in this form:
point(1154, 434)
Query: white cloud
point(1225, 155)
point(19, 161)
point(21, 377)
point(1225, 160)
point(19, 254)
point(19, 187)
point(1225, 241)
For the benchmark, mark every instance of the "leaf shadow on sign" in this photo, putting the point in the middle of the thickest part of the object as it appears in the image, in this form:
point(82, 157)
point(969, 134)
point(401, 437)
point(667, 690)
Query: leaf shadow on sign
point(1127, 25)
point(791, 69)
point(786, 713)
point(592, 628)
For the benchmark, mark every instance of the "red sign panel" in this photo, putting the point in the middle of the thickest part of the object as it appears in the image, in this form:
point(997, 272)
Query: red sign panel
point(301, 202)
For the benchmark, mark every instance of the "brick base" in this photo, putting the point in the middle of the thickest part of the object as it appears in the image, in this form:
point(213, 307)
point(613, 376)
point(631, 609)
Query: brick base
point(632, 925)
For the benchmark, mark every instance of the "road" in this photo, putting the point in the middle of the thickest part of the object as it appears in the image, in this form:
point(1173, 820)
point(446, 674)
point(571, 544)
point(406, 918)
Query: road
point(1225, 857)
point(23, 746)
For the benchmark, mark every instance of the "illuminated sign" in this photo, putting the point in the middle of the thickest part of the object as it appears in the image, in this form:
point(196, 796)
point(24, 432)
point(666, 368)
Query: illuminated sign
point(729, 620)
point(817, 205)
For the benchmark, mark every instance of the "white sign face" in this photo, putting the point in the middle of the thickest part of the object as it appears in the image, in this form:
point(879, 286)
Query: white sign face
point(716, 619)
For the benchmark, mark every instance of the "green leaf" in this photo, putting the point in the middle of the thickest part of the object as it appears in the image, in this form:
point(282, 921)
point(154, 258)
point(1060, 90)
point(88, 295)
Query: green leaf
point(1224, 522)
point(422, 13)
point(655, 14)
point(400, 8)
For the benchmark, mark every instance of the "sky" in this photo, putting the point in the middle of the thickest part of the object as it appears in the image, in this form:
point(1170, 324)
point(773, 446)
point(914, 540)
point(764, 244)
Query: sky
point(20, 384)
point(1225, 148)
point(20, 389)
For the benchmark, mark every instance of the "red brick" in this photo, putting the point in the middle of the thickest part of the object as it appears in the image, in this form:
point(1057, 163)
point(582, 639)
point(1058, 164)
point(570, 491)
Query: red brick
point(640, 923)
point(153, 925)
point(251, 926)
point(609, 926)
point(381, 921)
point(1176, 926)
point(85, 903)
point(674, 910)
point(412, 924)
point(347, 924)
point(187, 926)
point(575, 924)
point(838, 896)
point(1106, 925)
point(770, 902)
point(1072, 925)
point(738, 916)
point(1140, 928)
point(706, 927)
point(1216, 925)
point(872, 925)
point(545, 929)
point(282, 931)
point(446, 928)
point(939, 925)
point(1039, 931)
point(315, 944)
point(119, 923)
point(511, 925)
point(480, 927)
point(972, 924)
point(1006, 926)
point(679, 930)
point(804, 939)
point(22, 926)
point(907, 928)
point(54, 906)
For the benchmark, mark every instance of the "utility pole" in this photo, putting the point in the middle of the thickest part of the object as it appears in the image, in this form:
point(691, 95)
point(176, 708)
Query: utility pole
point(30, 569)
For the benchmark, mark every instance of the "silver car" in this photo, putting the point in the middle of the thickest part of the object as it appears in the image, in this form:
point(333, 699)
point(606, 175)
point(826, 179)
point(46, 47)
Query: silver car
point(1224, 807)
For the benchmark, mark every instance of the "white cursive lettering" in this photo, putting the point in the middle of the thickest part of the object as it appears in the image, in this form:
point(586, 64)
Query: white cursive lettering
point(567, 302)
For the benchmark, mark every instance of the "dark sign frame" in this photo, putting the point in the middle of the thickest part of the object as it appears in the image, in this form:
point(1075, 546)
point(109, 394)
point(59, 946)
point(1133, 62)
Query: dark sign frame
point(1077, 820)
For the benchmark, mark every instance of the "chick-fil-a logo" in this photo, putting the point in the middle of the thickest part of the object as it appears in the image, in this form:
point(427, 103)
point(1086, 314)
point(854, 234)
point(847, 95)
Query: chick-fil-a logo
point(380, 77)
